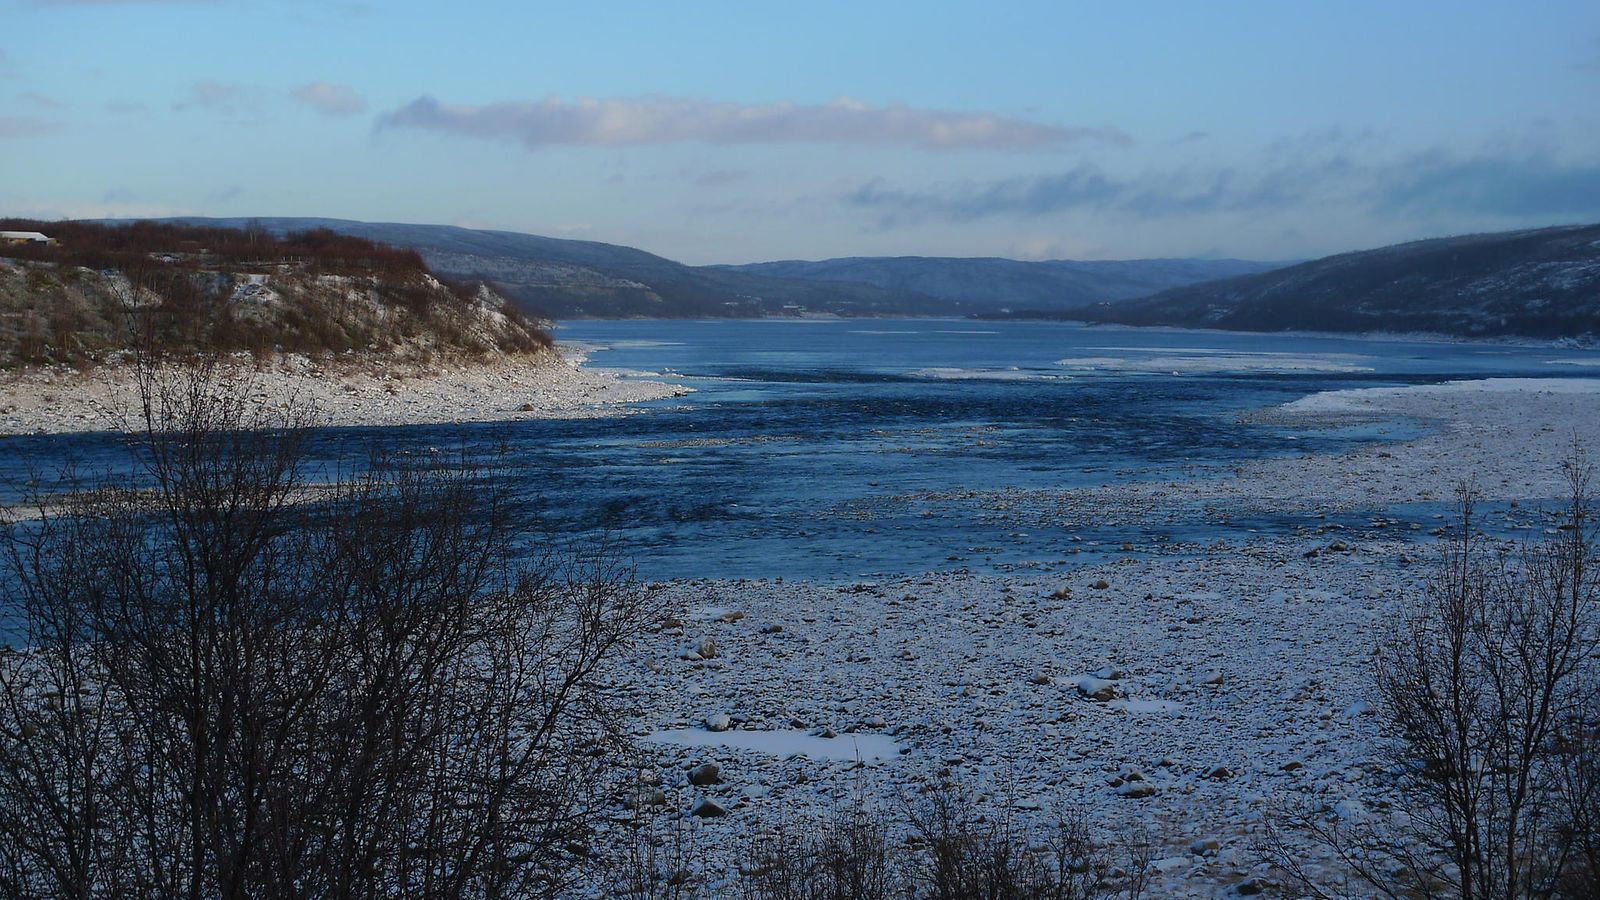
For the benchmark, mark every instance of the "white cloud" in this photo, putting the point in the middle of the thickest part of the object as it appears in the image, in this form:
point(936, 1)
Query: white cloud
point(26, 126)
point(330, 99)
point(215, 96)
point(662, 120)
point(112, 206)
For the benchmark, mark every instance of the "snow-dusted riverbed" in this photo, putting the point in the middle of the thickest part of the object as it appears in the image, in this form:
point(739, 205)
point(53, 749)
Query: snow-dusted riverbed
point(1197, 690)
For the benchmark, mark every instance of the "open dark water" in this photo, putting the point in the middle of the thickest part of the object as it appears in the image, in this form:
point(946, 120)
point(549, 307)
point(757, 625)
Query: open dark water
point(838, 448)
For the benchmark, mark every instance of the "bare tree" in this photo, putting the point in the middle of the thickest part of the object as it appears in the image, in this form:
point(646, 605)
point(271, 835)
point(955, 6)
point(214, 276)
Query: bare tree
point(235, 680)
point(1490, 688)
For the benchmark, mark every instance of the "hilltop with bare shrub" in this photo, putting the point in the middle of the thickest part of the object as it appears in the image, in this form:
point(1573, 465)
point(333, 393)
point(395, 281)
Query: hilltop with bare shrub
point(178, 289)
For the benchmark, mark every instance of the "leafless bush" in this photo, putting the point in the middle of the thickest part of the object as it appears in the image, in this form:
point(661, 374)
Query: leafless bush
point(949, 848)
point(849, 855)
point(657, 860)
point(233, 682)
point(1491, 690)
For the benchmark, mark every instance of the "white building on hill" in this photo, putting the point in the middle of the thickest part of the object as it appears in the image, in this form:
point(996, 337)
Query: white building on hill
point(25, 237)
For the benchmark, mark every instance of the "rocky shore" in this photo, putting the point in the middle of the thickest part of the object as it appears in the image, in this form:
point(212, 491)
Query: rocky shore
point(1197, 693)
point(347, 391)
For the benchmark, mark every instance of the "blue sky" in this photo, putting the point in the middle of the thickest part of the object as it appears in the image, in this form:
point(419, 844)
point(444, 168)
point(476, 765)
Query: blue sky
point(712, 132)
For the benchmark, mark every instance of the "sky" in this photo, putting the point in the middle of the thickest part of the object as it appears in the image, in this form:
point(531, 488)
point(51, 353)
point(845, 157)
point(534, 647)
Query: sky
point(738, 132)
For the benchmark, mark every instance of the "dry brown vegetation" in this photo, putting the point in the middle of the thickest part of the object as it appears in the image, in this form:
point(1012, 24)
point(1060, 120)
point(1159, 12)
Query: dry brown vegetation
point(945, 844)
point(177, 289)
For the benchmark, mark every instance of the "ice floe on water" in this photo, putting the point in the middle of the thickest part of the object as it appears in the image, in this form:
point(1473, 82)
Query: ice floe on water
point(1360, 399)
point(639, 344)
point(785, 743)
point(1011, 373)
point(1183, 361)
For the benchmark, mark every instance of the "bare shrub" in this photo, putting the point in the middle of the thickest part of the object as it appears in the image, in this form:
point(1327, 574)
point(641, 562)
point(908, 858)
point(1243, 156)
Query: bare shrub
point(849, 855)
point(1490, 687)
point(949, 847)
point(237, 681)
point(654, 861)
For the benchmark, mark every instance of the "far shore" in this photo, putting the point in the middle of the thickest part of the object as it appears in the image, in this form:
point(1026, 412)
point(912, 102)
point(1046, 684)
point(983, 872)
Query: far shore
point(358, 391)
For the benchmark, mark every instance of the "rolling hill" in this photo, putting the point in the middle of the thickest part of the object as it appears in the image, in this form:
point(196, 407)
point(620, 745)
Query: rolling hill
point(990, 284)
point(1542, 283)
point(99, 292)
point(561, 278)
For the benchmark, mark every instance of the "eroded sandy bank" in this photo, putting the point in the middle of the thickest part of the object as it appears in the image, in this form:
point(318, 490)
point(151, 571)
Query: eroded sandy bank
point(349, 392)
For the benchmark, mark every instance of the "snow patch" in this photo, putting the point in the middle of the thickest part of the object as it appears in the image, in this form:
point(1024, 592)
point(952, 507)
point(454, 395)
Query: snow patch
point(1219, 361)
point(1367, 399)
point(844, 748)
point(945, 373)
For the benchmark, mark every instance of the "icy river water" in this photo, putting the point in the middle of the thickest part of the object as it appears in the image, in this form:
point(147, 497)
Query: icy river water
point(843, 448)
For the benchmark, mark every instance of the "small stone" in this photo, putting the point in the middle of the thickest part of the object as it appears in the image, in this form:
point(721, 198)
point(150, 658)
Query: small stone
point(708, 808)
point(732, 616)
point(1293, 765)
point(1250, 887)
point(1101, 585)
point(705, 774)
point(718, 722)
point(644, 798)
point(1169, 864)
point(1205, 846)
point(1098, 689)
point(706, 649)
point(1135, 790)
point(1040, 678)
point(1219, 773)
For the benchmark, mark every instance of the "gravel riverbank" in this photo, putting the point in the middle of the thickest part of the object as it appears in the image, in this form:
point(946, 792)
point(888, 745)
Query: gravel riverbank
point(1195, 691)
point(359, 391)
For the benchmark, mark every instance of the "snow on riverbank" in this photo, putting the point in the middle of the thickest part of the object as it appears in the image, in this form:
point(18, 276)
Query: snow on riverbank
point(1231, 683)
point(785, 743)
point(361, 392)
point(1389, 399)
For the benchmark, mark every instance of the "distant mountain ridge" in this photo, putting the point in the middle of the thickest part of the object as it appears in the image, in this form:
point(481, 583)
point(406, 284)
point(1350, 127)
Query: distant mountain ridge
point(994, 283)
point(1540, 283)
point(562, 278)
